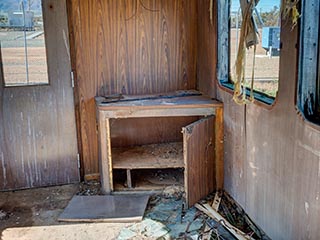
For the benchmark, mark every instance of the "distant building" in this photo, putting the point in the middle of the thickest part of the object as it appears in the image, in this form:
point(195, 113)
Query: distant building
point(3, 19)
point(16, 19)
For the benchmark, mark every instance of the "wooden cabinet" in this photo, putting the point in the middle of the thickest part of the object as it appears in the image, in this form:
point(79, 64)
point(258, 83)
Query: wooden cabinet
point(200, 153)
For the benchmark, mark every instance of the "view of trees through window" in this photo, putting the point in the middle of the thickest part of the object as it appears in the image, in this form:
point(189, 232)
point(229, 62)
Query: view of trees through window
point(22, 41)
point(267, 22)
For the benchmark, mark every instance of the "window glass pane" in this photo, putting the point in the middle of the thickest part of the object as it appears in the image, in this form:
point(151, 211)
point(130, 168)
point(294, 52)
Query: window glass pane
point(267, 21)
point(22, 43)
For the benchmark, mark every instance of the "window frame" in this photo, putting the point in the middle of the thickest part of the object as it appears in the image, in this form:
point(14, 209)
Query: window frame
point(223, 49)
point(309, 59)
point(28, 84)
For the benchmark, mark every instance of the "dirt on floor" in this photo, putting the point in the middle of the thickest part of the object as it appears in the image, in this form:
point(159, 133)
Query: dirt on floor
point(32, 215)
point(34, 207)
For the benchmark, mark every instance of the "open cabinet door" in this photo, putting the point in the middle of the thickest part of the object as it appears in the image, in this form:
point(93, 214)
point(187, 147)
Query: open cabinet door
point(199, 159)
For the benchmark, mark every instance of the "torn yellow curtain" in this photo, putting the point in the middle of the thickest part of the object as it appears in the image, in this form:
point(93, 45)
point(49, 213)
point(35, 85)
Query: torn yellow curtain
point(248, 38)
point(289, 10)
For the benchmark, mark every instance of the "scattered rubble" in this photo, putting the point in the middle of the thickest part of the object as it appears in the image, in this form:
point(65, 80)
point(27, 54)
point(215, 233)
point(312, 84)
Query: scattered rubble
point(89, 188)
point(175, 191)
point(237, 217)
point(3, 215)
point(167, 218)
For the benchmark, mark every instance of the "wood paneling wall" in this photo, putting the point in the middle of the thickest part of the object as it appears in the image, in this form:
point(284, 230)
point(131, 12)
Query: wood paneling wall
point(206, 51)
point(124, 132)
point(119, 46)
point(272, 156)
point(38, 145)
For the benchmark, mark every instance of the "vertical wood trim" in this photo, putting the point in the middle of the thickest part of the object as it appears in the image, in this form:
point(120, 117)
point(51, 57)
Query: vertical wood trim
point(105, 157)
point(129, 181)
point(219, 139)
point(109, 157)
point(186, 137)
point(76, 96)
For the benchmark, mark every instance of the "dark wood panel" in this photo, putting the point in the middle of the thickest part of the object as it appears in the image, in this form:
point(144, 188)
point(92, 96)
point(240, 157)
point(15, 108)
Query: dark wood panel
point(151, 156)
point(132, 132)
point(121, 47)
point(207, 48)
point(199, 157)
point(38, 145)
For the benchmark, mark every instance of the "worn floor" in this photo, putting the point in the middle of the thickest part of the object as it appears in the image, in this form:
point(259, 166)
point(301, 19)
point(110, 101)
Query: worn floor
point(32, 214)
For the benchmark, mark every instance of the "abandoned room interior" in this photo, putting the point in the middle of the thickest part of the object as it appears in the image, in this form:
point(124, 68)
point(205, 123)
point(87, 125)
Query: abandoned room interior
point(171, 118)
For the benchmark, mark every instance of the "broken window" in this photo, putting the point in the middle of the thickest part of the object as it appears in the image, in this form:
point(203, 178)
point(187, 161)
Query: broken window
point(262, 63)
point(23, 52)
point(309, 62)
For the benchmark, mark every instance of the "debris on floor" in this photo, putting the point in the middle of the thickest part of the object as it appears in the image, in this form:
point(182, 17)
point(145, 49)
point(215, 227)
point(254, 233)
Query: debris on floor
point(154, 180)
point(3, 215)
point(175, 191)
point(147, 229)
point(165, 217)
point(230, 210)
point(89, 188)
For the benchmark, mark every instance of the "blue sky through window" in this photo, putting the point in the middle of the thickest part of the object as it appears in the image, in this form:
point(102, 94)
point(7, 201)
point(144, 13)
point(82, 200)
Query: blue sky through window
point(264, 5)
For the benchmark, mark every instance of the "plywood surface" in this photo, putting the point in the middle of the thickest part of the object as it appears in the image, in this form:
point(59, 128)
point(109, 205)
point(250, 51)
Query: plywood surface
point(108, 208)
point(159, 107)
point(120, 47)
point(165, 155)
point(179, 102)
